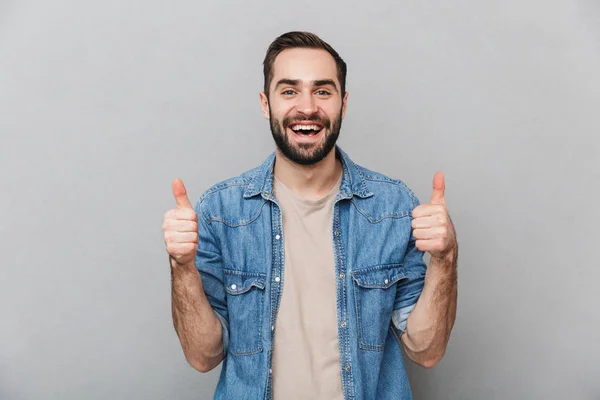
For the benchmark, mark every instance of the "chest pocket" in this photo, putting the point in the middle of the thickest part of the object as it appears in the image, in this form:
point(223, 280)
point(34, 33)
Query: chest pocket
point(375, 292)
point(245, 300)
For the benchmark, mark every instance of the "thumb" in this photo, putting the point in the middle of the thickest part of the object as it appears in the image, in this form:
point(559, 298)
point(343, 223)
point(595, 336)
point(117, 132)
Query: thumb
point(437, 197)
point(180, 194)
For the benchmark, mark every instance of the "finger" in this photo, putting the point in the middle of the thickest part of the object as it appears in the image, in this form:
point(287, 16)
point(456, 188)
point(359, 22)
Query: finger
point(426, 210)
point(428, 245)
point(428, 233)
point(181, 237)
point(436, 232)
point(180, 194)
point(182, 213)
point(424, 222)
point(439, 187)
point(178, 225)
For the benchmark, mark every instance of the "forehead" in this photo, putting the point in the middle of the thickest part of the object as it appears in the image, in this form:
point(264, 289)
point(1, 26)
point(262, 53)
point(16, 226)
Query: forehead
point(305, 65)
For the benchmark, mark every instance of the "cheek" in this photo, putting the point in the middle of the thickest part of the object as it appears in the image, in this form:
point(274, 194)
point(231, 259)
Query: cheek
point(332, 110)
point(280, 111)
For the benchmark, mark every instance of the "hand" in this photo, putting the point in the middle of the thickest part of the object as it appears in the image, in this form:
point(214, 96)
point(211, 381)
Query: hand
point(180, 227)
point(431, 223)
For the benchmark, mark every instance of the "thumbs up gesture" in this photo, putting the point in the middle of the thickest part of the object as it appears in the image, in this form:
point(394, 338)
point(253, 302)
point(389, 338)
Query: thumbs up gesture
point(432, 227)
point(180, 227)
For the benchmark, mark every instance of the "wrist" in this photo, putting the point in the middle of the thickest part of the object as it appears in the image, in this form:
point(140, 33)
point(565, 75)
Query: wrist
point(177, 266)
point(447, 261)
point(449, 256)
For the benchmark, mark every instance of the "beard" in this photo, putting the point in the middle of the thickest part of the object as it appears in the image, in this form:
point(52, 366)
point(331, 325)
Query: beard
point(305, 153)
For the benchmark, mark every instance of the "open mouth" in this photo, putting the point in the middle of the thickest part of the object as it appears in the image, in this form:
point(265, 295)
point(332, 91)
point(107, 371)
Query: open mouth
point(306, 129)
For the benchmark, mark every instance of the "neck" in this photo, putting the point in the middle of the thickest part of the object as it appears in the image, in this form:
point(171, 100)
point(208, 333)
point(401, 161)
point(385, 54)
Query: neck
point(308, 181)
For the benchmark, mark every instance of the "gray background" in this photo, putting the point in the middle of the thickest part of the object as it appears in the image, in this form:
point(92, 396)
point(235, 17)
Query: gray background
point(102, 104)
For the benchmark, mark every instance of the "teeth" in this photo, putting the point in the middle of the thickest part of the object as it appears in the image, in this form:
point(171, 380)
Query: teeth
point(305, 127)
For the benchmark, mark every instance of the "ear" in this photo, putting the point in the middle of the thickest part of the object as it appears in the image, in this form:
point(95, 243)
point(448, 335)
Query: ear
point(264, 104)
point(344, 104)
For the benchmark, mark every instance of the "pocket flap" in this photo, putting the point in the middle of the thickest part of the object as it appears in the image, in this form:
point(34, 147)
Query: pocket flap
point(379, 276)
point(238, 282)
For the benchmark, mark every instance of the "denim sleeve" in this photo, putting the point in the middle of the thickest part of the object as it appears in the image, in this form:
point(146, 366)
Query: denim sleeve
point(409, 289)
point(209, 263)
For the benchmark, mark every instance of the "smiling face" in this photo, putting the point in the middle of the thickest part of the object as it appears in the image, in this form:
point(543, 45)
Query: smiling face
point(305, 105)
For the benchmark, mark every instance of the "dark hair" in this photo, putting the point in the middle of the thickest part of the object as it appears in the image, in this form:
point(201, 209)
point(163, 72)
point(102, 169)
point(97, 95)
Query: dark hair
point(298, 39)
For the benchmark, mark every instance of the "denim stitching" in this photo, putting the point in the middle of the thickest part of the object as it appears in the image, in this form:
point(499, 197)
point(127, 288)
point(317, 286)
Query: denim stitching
point(375, 221)
point(260, 294)
point(242, 222)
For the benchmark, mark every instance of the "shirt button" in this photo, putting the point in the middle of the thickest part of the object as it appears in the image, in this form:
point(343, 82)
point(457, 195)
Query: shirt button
point(343, 324)
point(270, 371)
point(347, 368)
point(233, 286)
point(337, 233)
point(386, 281)
point(272, 328)
point(277, 279)
point(342, 275)
point(277, 237)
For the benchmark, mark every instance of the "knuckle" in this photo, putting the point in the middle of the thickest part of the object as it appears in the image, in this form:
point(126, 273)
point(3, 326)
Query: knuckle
point(171, 214)
point(171, 249)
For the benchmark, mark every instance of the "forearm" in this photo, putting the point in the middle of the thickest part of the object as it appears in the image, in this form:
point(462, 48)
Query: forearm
point(430, 322)
point(198, 328)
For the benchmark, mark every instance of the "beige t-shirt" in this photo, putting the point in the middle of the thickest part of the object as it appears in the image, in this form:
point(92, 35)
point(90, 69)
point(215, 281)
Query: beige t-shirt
point(306, 358)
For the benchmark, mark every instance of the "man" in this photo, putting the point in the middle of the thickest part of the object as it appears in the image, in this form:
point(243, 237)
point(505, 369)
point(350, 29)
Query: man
point(305, 275)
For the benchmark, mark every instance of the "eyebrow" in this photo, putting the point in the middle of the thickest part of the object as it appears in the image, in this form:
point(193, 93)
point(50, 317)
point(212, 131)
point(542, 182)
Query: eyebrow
point(296, 82)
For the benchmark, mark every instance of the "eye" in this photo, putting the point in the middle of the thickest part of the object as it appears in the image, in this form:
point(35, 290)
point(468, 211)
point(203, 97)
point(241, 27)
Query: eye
point(323, 92)
point(288, 92)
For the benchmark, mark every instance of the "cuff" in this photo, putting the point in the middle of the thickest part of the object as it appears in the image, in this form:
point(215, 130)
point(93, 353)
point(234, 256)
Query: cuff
point(399, 318)
point(225, 326)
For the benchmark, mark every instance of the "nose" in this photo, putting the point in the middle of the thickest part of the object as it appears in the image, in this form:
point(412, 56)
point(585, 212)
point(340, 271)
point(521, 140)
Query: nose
point(306, 104)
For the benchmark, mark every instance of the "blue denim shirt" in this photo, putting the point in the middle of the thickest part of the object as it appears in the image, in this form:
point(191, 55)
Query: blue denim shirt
point(378, 269)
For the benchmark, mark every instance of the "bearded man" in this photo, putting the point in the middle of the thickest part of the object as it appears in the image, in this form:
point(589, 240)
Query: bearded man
point(305, 275)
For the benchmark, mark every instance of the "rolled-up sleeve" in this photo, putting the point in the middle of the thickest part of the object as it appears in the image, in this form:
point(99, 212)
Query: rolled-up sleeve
point(409, 289)
point(209, 263)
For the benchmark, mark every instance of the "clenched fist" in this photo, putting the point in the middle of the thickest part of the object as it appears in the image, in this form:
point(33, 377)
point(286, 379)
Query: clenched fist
point(180, 227)
point(431, 223)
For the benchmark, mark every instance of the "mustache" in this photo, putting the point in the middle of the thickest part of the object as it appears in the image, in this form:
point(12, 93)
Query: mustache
point(303, 118)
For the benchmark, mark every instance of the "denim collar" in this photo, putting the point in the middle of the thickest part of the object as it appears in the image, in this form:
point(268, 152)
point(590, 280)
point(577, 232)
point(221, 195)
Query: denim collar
point(353, 180)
